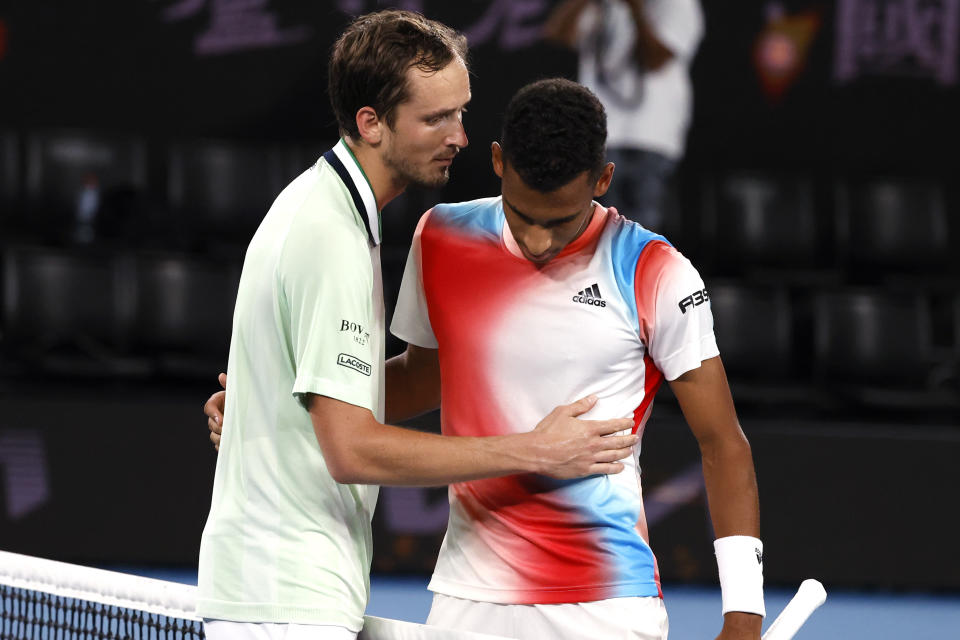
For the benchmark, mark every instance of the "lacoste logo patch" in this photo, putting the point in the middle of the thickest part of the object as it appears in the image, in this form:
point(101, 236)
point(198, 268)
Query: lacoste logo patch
point(352, 362)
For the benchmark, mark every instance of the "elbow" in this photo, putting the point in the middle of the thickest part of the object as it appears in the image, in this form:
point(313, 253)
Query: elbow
point(345, 466)
point(730, 447)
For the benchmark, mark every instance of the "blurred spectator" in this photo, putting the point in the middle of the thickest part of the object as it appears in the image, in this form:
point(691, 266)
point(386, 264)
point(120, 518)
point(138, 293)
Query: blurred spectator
point(635, 55)
point(88, 206)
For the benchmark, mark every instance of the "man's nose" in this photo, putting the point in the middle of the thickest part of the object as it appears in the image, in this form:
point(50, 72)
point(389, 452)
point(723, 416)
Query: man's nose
point(458, 137)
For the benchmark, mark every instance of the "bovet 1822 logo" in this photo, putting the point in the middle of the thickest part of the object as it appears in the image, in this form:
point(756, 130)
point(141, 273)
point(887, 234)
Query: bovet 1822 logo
point(360, 335)
point(353, 362)
point(695, 299)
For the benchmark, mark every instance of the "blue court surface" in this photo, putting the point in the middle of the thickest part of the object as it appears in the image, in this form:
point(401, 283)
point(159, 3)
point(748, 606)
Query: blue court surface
point(695, 611)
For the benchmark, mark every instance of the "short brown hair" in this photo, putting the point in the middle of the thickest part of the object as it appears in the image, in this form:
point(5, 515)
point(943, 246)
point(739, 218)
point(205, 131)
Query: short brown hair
point(370, 60)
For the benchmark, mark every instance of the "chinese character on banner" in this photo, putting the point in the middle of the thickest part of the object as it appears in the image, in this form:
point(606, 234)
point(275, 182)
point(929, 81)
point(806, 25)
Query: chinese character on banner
point(780, 51)
point(516, 24)
point(897, 38)
point(237, 25)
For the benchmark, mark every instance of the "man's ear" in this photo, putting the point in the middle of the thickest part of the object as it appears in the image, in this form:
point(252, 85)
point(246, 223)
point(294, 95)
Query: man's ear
point(496, 155)
point(370, 126)
point(606, 176)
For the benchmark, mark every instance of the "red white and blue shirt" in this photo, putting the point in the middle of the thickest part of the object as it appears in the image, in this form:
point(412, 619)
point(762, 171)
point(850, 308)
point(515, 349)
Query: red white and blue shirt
point(613, 315)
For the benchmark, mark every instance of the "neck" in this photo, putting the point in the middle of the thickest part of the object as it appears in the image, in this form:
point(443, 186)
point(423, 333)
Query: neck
point(384, 182)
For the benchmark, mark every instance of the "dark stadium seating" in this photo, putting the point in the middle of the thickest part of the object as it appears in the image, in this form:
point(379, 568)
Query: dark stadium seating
point(874, 347)
point(893, 226)
point(9, 175)
point(64, 169)
point(154, 293)
point(222, 190)
point(52, 296)
point(62, 312)
point(755, 330)
point(182, 313)
point(755, 221)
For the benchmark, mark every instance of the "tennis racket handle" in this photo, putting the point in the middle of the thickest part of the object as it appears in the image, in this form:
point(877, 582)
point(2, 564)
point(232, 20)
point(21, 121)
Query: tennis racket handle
point(809, 596)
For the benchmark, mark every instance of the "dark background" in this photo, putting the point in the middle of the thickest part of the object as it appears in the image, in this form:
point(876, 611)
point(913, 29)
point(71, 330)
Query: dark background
point(103, 452)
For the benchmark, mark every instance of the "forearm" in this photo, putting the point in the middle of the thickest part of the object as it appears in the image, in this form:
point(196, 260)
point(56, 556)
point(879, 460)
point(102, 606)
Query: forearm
point(389, 455)
point(731, 483)
point(561, 27)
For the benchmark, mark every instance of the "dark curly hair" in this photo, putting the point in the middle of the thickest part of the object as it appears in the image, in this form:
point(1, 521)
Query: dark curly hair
point(369, 63)
point(553, 131)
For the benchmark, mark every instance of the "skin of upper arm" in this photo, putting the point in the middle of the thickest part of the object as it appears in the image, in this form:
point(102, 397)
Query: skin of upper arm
point(423, 369)
point(339, 427)
point(706, 402)
point(413, 383)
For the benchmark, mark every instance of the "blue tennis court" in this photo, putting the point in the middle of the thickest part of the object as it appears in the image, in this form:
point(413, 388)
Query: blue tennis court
point(695, 611)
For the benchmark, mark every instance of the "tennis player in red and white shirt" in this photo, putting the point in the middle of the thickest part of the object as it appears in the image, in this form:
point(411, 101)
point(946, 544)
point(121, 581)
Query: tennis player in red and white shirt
point(534, 297)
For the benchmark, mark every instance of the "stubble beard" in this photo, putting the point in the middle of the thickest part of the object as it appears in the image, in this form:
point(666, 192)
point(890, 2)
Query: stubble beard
point(410, 174)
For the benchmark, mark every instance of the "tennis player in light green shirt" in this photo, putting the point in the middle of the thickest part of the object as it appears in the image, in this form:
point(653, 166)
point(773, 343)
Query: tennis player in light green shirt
point(287, 545)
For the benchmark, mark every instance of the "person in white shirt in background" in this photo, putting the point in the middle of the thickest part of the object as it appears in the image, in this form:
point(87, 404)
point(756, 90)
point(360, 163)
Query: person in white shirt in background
point(635, 55)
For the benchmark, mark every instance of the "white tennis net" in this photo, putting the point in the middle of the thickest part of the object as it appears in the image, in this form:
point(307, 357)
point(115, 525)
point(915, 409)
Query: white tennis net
point(48, 600)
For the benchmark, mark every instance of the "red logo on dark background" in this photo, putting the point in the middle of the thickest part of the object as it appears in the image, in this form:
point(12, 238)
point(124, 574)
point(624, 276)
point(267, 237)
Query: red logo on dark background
point(780, 50)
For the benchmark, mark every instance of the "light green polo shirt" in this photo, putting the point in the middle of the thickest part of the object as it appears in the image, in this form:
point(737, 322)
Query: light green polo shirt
point(284, 542)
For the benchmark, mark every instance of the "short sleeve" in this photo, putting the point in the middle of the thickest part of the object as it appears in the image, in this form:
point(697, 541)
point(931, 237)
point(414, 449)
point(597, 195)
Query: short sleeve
point(673, 306)
point(326, 280)
point(411, 318)
point(679, 23)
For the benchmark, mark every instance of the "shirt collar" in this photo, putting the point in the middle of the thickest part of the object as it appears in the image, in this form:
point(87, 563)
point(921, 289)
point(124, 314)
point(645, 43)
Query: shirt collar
point(343, 161)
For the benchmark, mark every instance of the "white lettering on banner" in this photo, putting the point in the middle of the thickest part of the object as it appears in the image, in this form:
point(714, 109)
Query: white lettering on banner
point(23, 468)
point(408, 510)
point(897, 38)
point(237, 25)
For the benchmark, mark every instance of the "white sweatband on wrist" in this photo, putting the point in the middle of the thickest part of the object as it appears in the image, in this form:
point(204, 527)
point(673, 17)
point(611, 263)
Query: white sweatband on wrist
point(740, 564)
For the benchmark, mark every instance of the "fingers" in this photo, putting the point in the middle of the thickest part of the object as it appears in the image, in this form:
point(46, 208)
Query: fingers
point(613, 455)
point(619, 442)
point(605, 427)
point(580, 406)
point(606, 468)
point(215, 425)
point(215, 439)
point(213, 409)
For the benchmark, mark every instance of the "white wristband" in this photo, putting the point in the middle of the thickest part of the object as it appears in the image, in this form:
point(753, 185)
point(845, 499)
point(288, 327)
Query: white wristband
point(740, 564)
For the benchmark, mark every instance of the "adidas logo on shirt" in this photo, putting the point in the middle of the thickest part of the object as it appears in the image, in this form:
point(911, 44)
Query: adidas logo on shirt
point(591, 296)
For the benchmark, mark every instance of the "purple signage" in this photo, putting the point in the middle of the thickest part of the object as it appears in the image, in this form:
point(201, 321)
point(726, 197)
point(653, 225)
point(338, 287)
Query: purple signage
point(23, 468)
point(237, 25)
point(513, 24)
point(897, 38)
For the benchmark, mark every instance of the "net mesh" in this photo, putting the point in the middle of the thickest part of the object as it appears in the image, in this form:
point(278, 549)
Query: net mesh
point(42, 599)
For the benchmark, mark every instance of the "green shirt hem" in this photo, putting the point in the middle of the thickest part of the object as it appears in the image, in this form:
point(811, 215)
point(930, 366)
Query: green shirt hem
point(278, 613)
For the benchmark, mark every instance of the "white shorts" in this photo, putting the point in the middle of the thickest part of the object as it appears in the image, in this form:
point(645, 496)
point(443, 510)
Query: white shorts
point(635, 618)
point(228, 630)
